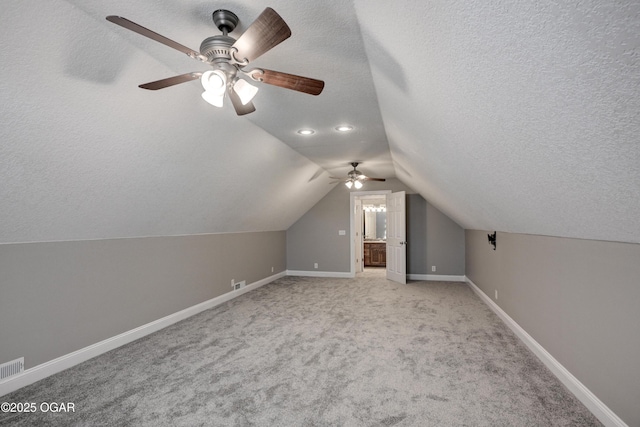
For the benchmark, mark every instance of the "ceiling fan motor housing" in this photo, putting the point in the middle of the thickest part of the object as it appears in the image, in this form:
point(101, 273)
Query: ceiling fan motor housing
point(216, 48)
point(355, 174)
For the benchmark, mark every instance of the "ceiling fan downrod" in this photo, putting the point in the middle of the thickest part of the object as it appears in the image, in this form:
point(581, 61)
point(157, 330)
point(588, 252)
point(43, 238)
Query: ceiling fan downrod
point(217, 48)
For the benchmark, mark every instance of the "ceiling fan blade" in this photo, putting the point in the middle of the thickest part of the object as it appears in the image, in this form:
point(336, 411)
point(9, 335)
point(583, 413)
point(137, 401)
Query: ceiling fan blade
point(129, 25)
point(287, 81)
point(335, 177)
point(241, 109)
point(171, 81)
point(266, 32)
point(374, 179)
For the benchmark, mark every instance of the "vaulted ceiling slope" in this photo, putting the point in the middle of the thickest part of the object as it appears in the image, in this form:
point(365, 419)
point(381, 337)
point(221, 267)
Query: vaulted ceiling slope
point(514, 116)
point(86, 154)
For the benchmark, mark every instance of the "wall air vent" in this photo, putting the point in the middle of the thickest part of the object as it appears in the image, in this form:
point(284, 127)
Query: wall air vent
point(12, 368)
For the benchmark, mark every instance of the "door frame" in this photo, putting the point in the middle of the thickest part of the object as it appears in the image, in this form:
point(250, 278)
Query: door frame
point(352, 222)
point(358, 240)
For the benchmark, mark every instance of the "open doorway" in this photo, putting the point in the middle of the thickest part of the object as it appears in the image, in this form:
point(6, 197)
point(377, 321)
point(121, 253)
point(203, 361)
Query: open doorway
point(368, 230)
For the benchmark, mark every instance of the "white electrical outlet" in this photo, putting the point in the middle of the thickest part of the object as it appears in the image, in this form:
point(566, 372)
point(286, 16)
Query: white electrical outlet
point(233, 282)
point(315, 265)
point(433, 268)
point(496, 294)
point(272, 269)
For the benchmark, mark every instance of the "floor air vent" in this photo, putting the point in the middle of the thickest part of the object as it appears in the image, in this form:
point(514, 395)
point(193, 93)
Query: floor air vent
point(12, 368)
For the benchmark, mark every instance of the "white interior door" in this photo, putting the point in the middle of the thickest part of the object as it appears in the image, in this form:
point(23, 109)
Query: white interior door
point(396, 237)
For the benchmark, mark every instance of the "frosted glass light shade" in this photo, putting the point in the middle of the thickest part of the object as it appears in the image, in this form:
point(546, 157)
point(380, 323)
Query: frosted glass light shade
point(245, 91)
point(214, 80)
point(348, 184)
point(213, 98)
point(357, 184)
point(214, 83)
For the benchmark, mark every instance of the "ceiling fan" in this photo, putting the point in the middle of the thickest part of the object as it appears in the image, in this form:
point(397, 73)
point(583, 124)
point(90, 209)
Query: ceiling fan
point(355, 178)
point(228, 57)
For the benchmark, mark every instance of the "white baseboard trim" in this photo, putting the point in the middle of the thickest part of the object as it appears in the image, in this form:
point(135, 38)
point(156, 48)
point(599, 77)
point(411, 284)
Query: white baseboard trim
point(336, 274)
point(437, 277)
point(44, 370)
point(588, 399)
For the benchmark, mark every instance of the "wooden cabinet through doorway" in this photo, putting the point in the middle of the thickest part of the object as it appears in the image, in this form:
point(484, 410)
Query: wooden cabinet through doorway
point(375, 254)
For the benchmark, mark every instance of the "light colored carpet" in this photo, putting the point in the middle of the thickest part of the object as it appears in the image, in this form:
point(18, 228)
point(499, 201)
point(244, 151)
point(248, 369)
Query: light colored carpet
point(319, 352)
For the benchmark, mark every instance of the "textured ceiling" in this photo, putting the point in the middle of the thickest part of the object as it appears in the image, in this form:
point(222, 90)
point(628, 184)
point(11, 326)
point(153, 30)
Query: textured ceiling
point(509, 116)
point(514, 116)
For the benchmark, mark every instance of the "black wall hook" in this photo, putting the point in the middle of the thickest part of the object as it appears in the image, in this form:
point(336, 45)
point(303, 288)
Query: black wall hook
point(492, 239)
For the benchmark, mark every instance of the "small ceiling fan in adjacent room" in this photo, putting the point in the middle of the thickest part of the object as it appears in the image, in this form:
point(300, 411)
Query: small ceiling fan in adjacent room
point(355, 178)
point(228, 57)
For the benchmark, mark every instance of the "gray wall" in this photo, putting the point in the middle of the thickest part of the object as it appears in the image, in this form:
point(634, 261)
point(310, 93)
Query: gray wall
point(433, 238)
point(314, 237)
point(62, 296)
point(416, 234)
point(580, 299)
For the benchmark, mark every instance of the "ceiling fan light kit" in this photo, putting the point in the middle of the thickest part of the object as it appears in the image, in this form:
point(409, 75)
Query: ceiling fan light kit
point(215, 99)
point(214, 84)
point(214, 81)
point(228, 57)
point(246, 91)
point(354, 182)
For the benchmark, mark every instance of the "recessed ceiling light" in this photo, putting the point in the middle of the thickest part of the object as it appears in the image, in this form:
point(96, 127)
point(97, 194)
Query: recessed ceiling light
point(306, 131)
point(344, 128)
